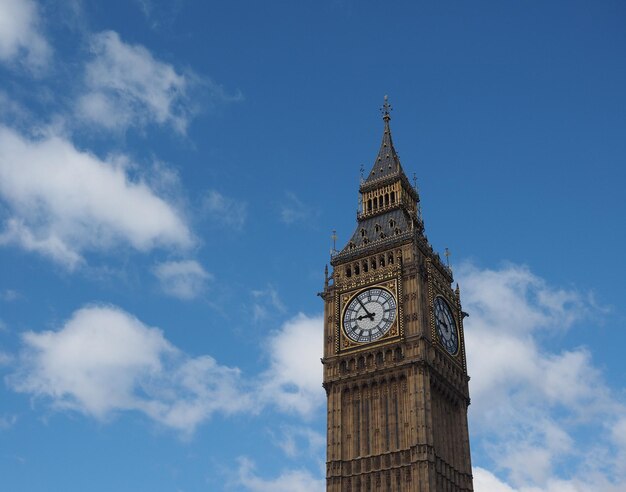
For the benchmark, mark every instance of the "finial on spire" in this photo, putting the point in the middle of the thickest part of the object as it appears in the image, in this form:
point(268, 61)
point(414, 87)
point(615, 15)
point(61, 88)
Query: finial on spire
point(362, 171)
point(447, 254)
point(386, 109)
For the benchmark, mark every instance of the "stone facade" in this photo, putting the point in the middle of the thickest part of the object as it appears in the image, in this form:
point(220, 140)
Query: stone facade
point(396, 379)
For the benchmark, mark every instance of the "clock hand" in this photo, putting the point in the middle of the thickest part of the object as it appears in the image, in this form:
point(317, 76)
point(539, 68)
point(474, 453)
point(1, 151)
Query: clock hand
point(363, 306)
point(370, 316)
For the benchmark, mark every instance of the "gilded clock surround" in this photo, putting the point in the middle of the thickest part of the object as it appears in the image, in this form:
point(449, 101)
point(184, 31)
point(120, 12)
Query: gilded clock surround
point(397, 406)
point(393, 334)
point(437, 288)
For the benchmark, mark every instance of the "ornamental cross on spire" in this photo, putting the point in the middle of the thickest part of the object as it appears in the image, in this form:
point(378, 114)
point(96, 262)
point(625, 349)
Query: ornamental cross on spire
point(386, 109)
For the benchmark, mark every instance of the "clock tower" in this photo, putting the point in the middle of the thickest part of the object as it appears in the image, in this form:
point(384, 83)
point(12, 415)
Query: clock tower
point(395, 371)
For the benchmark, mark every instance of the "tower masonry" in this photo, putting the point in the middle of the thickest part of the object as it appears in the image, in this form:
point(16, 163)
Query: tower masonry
point(395, 370)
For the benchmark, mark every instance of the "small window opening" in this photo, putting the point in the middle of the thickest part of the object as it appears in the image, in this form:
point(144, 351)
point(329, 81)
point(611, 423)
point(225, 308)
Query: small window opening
point(386, 198)
point(398, 354)
point(390, 258)
point(348, 272)
point(357, 270)
point(393, 197)
point(365, 266)
point(381, 261)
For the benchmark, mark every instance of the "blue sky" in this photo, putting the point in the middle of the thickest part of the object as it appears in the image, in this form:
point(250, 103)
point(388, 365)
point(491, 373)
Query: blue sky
point(171, 172)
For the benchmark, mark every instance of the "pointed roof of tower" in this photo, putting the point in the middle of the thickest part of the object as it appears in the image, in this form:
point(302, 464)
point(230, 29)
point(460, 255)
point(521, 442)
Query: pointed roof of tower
point(394, 221)
point(387, 162)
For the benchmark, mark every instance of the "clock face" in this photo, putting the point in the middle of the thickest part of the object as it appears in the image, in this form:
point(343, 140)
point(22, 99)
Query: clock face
point(369, 315)
point(446, 326)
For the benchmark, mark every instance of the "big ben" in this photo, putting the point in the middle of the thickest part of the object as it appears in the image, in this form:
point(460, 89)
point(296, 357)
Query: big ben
point(395, 370)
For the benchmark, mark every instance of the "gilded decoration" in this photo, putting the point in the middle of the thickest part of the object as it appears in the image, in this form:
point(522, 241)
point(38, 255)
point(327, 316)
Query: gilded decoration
point(438, 286)
point(386, 279)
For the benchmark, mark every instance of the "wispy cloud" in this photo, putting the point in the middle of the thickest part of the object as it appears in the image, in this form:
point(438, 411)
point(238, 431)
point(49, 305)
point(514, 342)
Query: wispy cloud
point(184, 279)
point(299, 480)
point(266, 302)
point(10, 295)
point(223, 210)
point(5, 358)
point(293, 210)
point(7, 421)
point(126, 86)
point(21, 40)
point(530, 403)
point(159, 14)
point(299, 441)
point(64, 201)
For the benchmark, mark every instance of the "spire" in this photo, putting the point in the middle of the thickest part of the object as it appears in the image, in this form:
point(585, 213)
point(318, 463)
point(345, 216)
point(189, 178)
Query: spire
point(386, 109)
point(387, 162)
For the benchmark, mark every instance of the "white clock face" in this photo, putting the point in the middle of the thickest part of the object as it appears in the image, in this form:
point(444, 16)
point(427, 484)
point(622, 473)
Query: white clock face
point(446, 326)
point(369, 315)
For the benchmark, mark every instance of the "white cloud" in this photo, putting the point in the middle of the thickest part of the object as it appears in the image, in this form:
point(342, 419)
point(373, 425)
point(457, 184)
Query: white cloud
point(159, 14)
point(293, 381)
point(532, 407)
point(224, 210)
point(7, 421)
point(64, 201)
point(183, 279)
point(485, 481)
point(103, 360)
point(289, 480)
point(266, 302)
point(20, 38)
point(14, 112)
point(5, 359)
point(10, 295)
point(127, 86)
point(298, 441)
point(509, 309)
point(293, 210)
point(619, 433)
